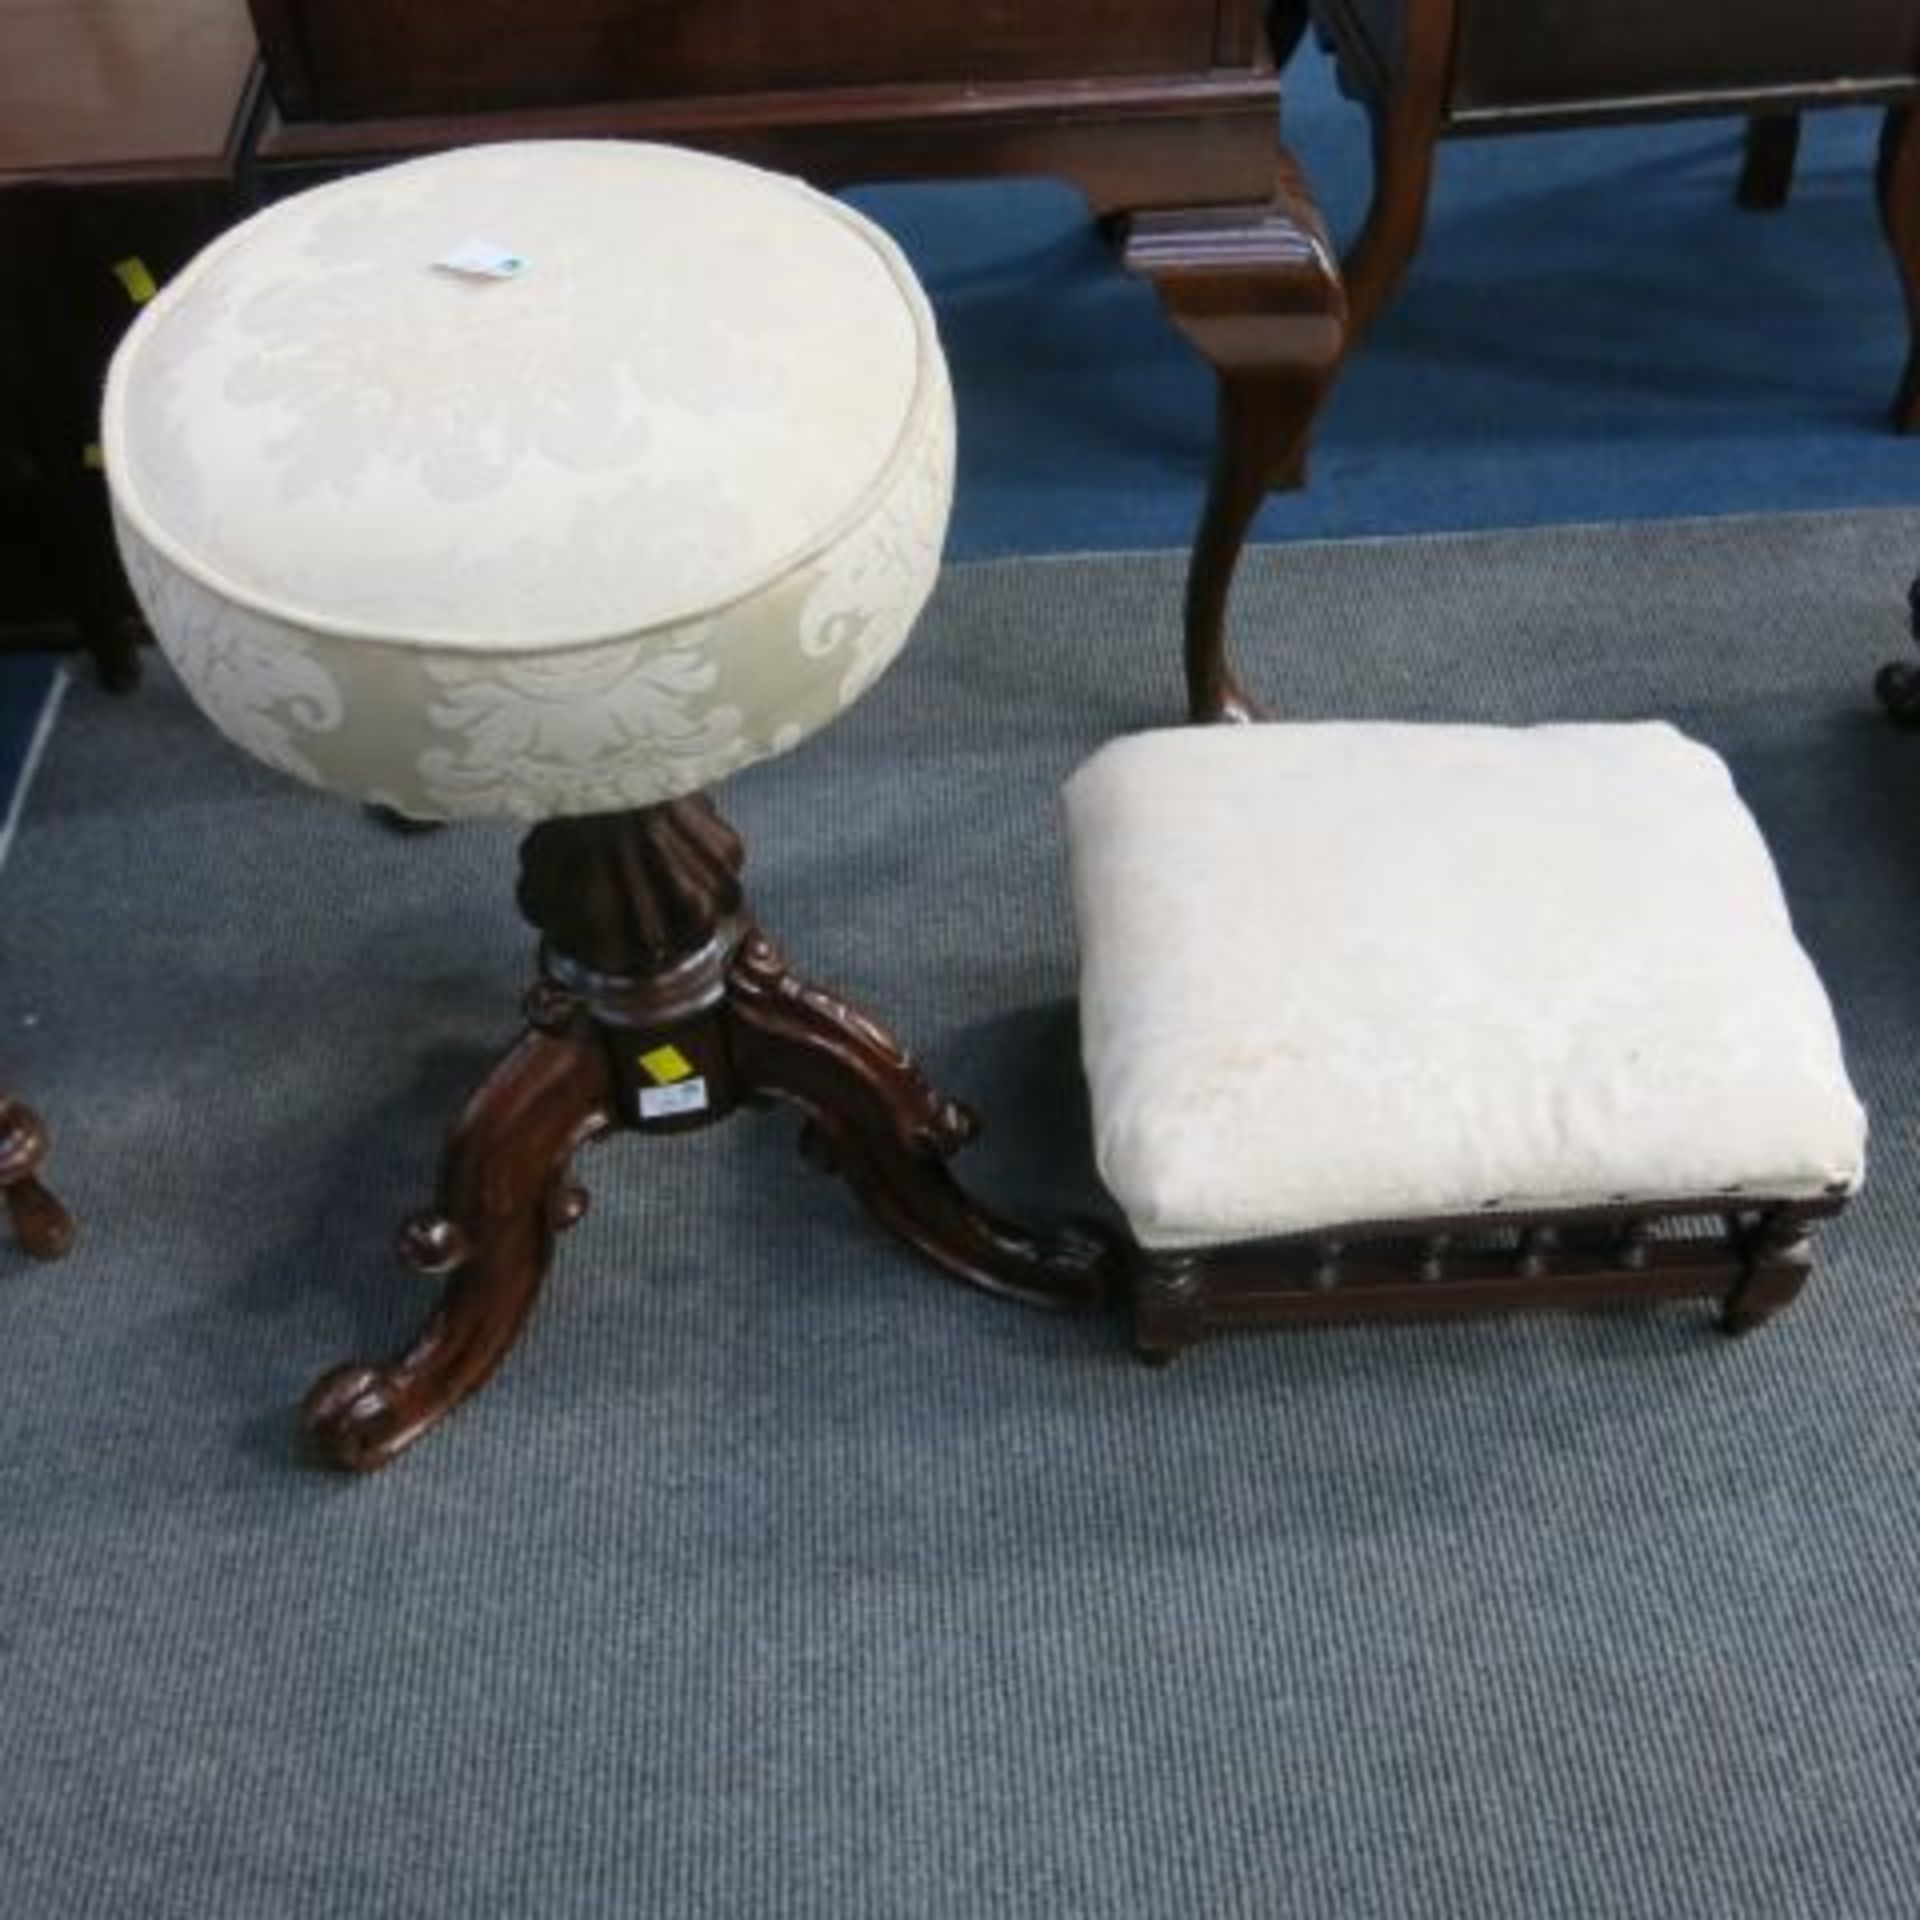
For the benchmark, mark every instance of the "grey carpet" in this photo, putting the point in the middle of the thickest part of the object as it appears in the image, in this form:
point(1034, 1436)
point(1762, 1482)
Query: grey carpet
point(775, 1576)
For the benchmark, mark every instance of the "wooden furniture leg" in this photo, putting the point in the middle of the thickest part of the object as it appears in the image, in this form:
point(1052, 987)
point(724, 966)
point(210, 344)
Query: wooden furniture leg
point(41, 1225)
point(1898, 182)
point(1776, 1257)
point(1897, 684)
point(662, 1007)
point(1766, 167)
point(1257, 292)
point(1406, 113)
point(506, 1191)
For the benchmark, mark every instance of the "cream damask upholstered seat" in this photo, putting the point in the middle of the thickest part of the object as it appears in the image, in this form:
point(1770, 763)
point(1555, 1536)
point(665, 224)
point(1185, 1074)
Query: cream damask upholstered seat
point(1343, 981)
point(535, 479)
point(1363, 972)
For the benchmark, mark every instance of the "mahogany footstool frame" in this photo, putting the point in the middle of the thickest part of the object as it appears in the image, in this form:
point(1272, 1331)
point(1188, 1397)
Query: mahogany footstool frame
point(1751, 1262)
point(1539, 982)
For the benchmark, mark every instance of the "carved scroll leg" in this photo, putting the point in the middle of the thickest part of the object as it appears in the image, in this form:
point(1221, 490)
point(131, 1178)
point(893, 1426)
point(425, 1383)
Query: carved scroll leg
point(41, 1225)
point(1899, 192)
point(1257, 292)
point(1766, 167)
point(1778, 1260)
point(505, 1191)
point(873, 1118)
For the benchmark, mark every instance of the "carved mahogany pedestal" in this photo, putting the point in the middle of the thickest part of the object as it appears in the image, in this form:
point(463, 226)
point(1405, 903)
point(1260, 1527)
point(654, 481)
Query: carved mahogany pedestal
point(660, 1008)
point(41, 1225)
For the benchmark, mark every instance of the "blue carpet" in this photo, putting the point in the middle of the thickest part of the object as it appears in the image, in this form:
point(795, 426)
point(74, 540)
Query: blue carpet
point(776, 1578)
point(1591, 331)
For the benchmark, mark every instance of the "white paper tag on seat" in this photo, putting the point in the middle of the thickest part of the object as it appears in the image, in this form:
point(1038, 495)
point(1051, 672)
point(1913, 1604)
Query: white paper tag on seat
point(684, 1096)
point(482, 260)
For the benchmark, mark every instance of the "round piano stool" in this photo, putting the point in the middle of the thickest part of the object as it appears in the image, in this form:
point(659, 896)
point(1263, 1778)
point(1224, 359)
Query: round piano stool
point(560, 481)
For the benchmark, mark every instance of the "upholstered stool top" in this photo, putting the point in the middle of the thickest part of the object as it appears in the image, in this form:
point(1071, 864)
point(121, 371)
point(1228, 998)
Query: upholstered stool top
point(552, 477)
point(1345, 974)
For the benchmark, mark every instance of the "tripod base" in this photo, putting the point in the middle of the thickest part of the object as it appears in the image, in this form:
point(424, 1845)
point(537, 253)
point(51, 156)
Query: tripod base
point(661, 1008)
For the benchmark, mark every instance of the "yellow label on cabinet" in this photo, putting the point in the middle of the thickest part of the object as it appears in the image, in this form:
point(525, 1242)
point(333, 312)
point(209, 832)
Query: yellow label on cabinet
point(132, 274)
point(665, 1065)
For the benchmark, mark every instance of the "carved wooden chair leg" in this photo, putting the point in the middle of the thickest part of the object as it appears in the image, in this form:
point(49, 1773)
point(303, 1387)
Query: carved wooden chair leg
point(505, 1192)
point(1406, 129)
point(1766, 169)
point(873, 1118)
point(1263, 426)
point(1898, 182)
point(40, 1224)
point(1257, 293)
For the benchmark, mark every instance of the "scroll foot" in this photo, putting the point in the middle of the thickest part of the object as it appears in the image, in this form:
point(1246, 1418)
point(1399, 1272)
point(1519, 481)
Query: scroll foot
point(359, 1418)
point(505, 1191)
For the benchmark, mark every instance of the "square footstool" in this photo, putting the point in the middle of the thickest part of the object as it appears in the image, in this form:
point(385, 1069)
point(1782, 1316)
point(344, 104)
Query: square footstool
point(1392, 1020)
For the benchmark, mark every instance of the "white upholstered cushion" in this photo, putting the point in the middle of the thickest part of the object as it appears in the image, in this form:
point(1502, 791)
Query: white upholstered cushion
point(588, 536)
point(1334, 974)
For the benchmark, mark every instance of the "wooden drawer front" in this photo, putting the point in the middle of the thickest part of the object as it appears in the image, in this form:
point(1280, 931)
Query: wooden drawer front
point(1538, 52)
point(338, 59)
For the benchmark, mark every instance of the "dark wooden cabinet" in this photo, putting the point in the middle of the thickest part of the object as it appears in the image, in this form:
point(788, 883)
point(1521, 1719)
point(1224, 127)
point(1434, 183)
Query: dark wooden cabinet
point(1141, 103)
point(123, 126)
point(1164, 113)
point(345, 59)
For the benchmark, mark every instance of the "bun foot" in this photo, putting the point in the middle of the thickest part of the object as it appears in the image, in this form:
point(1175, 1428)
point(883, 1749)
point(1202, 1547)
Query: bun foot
point(358, 1418)
point(42, 1226)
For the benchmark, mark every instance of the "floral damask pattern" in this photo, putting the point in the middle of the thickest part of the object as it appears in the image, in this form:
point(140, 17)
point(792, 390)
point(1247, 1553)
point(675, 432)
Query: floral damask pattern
point(587, 732)
point(260, 685)
point(527, 688)
point(473, 463)
point(871, 587)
